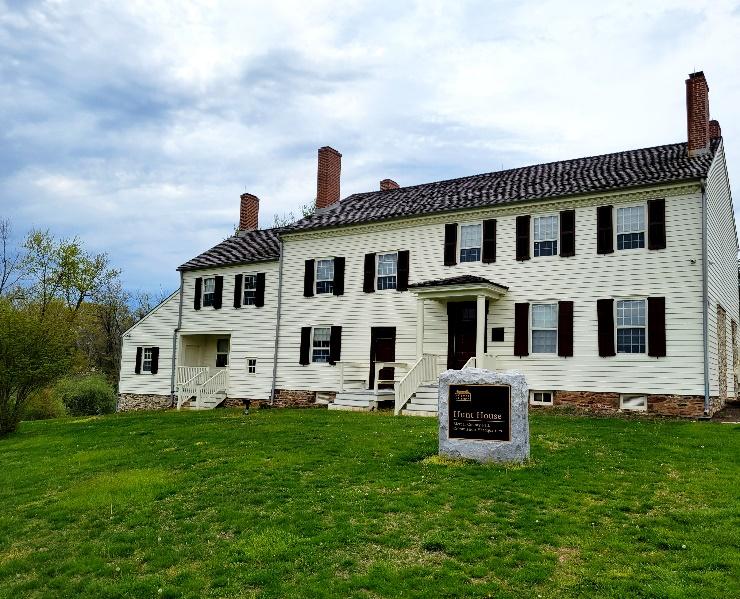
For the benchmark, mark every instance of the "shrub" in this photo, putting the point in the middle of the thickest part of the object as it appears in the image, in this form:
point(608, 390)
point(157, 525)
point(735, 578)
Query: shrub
point(86, 396)
point(43, 405)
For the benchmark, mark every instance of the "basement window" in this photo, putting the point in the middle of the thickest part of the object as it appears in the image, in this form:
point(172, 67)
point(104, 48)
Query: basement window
point(540, 398)
point(633, 402)
point(209, 291)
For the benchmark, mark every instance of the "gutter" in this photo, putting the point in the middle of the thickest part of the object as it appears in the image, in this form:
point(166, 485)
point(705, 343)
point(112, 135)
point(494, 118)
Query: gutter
point(175, 334)
point(705, 294)
point(277, 324)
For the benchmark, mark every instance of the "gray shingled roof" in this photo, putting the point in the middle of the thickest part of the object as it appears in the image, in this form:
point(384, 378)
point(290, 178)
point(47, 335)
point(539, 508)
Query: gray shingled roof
point(634, 168)
point(246, 246)
point(460, 280)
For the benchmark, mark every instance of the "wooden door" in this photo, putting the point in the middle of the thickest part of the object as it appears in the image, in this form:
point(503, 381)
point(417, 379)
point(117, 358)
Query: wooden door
point(461, 333)
point(382, 349)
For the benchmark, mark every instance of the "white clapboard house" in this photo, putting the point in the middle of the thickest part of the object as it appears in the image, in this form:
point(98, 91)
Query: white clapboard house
point(610, 281)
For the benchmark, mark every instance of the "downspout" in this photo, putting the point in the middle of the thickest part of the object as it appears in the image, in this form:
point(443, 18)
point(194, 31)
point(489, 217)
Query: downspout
point(174, 344)
point(277, 324)
point(705, 294)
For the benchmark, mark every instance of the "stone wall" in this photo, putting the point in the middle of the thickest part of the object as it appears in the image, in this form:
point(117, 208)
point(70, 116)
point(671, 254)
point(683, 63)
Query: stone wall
point(683, 406)
point(286, 398)
point(128, 402)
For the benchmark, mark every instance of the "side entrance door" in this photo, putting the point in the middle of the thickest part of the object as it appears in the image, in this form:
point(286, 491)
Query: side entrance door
point(461, 327)
point(382, 349)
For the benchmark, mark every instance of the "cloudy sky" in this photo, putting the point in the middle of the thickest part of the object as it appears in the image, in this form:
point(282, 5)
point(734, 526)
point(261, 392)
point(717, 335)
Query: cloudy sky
point(136, 125)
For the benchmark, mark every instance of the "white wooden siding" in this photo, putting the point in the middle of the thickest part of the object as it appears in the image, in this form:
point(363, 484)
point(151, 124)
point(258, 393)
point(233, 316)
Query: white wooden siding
point(583, 278)
point(251, 329)
point(154, 330)
point(722, 265)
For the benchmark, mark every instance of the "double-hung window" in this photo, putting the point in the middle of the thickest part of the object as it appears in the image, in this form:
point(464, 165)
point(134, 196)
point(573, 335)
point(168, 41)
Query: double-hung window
point(471, 238)
point(146, 361)
point(222, 353)
point(251, 365)
point(631, 326)
point(630, 227)
point(544, 328)
point(250, 289)
point(209, 291)
point(387, 271)
point(545, 235)
point(320, 344)
point(325, 275)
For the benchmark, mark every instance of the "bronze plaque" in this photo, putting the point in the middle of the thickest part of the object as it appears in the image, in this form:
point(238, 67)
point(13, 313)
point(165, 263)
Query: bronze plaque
point(480, 412)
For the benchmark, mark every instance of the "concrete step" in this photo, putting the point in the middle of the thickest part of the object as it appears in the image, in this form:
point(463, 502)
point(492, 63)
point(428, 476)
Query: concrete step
point(411, 412)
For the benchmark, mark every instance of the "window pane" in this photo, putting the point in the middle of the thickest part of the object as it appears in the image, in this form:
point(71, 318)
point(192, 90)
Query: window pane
point(631, 313)
point(545, 248)
point(324, 286)
point(470, 236)
point(386, 283)
point(222, 360)
point(470, 255)
point(209, 285)
point(222, 345)
point(325, 270)
point(544, 342)
point(250, 281)
point(631, 341)
point(630, 241)
point(544, 316)
point(546, 228)
point(630, 219)
point(387, 264)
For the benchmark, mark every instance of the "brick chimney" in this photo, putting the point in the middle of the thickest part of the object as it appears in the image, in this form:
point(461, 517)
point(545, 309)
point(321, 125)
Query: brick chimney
point(328, 177)
point(388, 184)
point(697, 113)
point(249, 211)
point(715, 130)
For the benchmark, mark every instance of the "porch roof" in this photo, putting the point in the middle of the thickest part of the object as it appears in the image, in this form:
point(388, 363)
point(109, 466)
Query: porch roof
point(458, 287)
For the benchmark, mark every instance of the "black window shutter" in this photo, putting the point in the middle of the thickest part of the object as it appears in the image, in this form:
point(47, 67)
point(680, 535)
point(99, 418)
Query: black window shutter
point(605, 314)
point(339, 276)
point(137, 367)
point(565, 329)
point(218, 295)
point(656, 224)
point(155, 360)
point(335, 345)
point(521, 329)
point(402, 284)
point(451, 244)
point(305, 356)
point(604, 230)
point(368, 284)
point(522, 238)
point(489, 241)
point(198, 293)
point(238, 291)
point(308, 277)
point(656, 327)
point(259, 293)
point(568, 233)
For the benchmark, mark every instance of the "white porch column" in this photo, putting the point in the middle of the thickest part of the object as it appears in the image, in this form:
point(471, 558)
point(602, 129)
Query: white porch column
point(419, 327)
point(480, 333)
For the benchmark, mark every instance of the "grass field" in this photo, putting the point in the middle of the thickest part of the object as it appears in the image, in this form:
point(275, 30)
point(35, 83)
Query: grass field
point(312, 503)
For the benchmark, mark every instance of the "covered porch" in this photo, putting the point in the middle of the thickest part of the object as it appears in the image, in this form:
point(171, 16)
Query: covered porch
point(202, 373)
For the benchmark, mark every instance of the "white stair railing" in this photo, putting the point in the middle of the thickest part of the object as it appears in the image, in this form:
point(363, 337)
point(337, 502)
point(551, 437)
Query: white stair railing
point(218, 382)
point(186, 374)
point(424, 369)
point(189, 388)
point(470, 363)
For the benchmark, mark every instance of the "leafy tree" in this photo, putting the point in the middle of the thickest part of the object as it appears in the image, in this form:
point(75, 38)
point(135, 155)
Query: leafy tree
point(10, 260)
point(33, 354)
point(288, 218)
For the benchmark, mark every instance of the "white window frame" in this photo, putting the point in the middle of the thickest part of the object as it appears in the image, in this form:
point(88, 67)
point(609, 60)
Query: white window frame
point(628, 396)
point(616, 208)
point(317, 280)
point(221, 353)
point(314, 348)
point(252, 298)
point(617, 327)
point(251, 368)
point(533, 401)
point(556, 215)
point(144, 359)
point(460, 247)
point(378, 276)
point(212, 293)
point(532, 328)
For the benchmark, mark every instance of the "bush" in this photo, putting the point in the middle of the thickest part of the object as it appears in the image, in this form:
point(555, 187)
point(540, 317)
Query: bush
point(43, 405)
point(86, 396)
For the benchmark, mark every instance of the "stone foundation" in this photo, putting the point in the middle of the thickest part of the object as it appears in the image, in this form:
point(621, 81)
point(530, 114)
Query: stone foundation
point(287, 398)
point(681, 406)
point(129, 402)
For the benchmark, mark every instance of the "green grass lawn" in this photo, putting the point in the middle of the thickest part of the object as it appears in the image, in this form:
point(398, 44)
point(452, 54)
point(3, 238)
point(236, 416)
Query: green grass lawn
point(312, 503)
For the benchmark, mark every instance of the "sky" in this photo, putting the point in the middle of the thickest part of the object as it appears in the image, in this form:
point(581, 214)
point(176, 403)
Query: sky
point(136, 125)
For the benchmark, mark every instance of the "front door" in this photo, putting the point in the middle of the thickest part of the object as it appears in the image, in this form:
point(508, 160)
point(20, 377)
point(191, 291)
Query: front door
point(382, 349)
point(461, 327)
